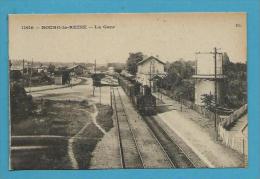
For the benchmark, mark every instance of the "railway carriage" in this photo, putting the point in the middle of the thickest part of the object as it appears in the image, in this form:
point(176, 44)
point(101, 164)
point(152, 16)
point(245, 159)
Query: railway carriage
point(145, 102)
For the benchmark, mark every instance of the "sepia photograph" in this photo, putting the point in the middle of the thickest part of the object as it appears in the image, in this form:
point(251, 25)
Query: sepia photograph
point(128, 91)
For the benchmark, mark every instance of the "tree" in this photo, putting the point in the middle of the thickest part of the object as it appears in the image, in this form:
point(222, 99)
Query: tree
point(132, 61)
point(235, 83)
point(51, 68)
point(178, 79)
point(208, 101)
point(21, 104)
point(225, 59)
point(118, 70)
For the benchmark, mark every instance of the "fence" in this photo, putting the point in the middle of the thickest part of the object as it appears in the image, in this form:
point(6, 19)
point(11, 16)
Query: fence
point(200, 109)
point(229, 121)
point(234, 140)
point(238, 143)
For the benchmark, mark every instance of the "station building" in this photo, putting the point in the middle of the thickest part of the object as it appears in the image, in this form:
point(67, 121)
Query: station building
point(149, 70)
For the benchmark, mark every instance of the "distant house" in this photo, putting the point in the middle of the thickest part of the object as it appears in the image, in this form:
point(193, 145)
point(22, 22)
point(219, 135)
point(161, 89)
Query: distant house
point(118, 67)
point(111, 70)
point(61, 77)
point(127, 75)
point(149, 70)
point(77, 70)
point(89, 67)
point(15, 72)
point(101, 68)
point(42, 69)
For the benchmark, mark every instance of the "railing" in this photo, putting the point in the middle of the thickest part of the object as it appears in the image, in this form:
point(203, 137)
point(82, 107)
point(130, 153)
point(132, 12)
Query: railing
point(238, 143)
point(230, 120)
point(200, 109)
point(234, 141)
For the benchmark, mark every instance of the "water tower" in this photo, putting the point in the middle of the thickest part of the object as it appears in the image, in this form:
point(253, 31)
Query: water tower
point(209, 76)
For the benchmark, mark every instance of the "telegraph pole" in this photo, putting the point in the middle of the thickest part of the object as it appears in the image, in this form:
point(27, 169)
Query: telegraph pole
point(23, 66)
point(23, 72)
point(111, 94)
point(99, 84)
point(215, 111)
point(95, 68)
point(150, 80)
point(94, 78)
point(31, 75)
point(100, 94)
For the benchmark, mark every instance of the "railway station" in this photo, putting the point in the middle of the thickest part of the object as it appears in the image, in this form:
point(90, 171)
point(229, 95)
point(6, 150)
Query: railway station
point(128, 91)
point(146, 127)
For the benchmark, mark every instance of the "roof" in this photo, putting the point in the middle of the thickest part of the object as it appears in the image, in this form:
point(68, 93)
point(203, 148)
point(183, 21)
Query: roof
point(17, 68)
point(61, 71)
point(159, 76)
point(126, 74)
point(150, 58)
point(218, 76)
point(43, 66)
point(75, 66)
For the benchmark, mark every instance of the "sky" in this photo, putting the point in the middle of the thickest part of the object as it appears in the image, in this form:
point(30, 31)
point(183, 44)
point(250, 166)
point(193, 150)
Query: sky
point(170, 36)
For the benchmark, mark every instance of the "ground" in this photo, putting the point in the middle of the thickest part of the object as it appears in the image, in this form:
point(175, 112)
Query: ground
point(60, 134)
point(71, 128)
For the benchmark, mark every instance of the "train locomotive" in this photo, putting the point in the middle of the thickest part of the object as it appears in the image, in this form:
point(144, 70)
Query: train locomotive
point(141, 97)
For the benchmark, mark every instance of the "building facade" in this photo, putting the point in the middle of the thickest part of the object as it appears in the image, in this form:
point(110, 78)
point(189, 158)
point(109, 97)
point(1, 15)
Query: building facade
point(77, 70)
point(148, 69)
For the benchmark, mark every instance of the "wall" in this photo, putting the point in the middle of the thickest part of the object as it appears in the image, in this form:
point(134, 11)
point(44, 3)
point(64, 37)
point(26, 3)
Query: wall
point(144, 70)
point(204, 86)
point(151, 65)
point(206, 64)
point(235, 140)
point(58, 80)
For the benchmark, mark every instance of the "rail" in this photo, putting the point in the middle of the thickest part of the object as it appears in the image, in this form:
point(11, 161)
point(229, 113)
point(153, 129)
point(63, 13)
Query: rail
point(122, 153)
point(170, 151)
point(119, 135)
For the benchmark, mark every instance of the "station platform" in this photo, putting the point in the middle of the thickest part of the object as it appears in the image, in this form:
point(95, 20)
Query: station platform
point(187, 124)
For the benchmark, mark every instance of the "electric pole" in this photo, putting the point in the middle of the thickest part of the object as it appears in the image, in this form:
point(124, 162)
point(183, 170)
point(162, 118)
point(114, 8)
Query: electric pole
point(94, 78)
point(150, 81)
point(100, 94)
point(95, 66)
point(23, 73)
point(215, 71)
point(215, 111)
point(31, 75)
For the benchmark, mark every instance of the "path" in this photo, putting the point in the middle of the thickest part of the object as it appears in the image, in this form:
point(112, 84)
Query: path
point(71, 140)
point(94, 119)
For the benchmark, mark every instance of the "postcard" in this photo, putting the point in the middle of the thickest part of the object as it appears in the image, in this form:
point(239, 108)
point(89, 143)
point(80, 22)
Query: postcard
point(128, 90)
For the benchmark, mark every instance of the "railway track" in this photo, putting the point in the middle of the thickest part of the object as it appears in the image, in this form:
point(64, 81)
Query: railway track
point(130, 154)
point(129, 151)
point(174, 153)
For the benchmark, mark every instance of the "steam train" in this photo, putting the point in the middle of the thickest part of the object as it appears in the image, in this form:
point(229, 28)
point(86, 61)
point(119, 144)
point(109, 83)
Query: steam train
point(141, 97)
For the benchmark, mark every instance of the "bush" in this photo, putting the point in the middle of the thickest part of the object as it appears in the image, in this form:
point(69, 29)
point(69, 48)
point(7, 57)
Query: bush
point(21, 104)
